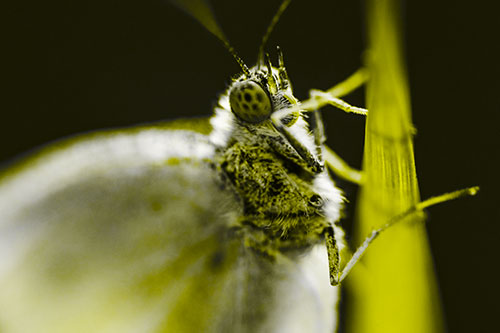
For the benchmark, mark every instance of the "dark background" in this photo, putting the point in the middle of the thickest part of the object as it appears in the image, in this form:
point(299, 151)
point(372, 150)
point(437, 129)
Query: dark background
point(77, 66)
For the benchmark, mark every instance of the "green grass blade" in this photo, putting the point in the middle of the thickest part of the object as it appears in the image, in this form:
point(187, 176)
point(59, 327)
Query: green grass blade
point(394, 290)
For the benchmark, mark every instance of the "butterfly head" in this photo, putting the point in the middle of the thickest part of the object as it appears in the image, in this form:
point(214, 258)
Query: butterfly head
point(255, 95)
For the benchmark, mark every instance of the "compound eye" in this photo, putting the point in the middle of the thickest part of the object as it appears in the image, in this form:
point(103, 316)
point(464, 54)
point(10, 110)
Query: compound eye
point(249, 101)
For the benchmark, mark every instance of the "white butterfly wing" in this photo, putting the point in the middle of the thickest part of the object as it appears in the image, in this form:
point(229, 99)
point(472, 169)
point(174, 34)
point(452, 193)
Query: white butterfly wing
point(128, 232)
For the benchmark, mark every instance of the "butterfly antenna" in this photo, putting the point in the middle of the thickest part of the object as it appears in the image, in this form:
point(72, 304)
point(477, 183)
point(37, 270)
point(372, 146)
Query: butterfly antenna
point(240, 62)
point(270, 28)
point(201, 11)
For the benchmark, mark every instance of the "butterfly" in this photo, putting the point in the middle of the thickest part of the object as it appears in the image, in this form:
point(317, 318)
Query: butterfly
point(226, 225)
point(109, 232)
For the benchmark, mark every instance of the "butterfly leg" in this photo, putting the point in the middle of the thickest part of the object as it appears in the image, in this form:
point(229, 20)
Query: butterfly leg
point(318, 129)
point(294, 150)
point(353, 82)
point(410, 212)
point(333, 161)
point(340, 167)
point(320, 98)
point(333, 255)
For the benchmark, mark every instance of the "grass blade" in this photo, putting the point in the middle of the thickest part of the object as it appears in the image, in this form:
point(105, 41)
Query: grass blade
point(396, 291)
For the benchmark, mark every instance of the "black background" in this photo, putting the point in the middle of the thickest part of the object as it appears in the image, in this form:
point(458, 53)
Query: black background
point(76, 66)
